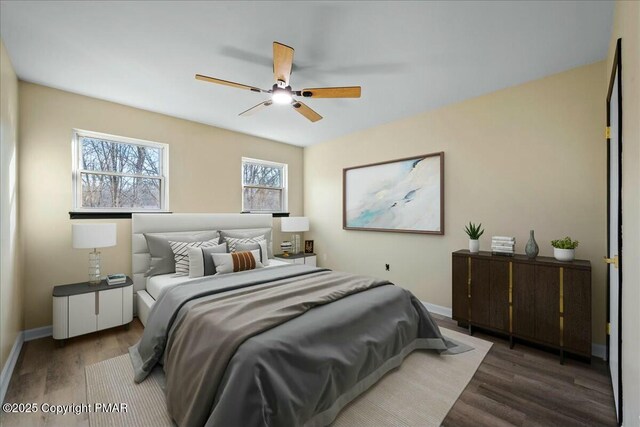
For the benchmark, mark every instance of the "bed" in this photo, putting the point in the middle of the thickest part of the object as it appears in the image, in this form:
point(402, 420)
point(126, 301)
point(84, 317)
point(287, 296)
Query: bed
point(288, 345)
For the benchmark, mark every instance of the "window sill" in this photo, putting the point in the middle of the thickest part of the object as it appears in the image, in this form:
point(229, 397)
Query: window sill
point(274, 214)
point(107, 215)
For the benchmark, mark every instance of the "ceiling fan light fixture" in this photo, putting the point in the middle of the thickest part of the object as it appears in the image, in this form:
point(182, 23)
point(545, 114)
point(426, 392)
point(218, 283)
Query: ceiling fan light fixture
point(281, 97)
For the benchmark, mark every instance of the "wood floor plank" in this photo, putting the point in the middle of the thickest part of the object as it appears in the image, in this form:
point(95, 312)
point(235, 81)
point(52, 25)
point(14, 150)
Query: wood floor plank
point(499, 410)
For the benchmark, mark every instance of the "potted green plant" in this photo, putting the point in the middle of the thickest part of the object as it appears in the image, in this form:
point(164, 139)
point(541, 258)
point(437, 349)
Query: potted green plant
point(564, 249)
point(474, 232)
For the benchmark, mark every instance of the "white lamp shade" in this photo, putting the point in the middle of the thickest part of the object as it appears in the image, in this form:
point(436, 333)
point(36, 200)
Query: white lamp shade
point(294, 224)
point(93, 235)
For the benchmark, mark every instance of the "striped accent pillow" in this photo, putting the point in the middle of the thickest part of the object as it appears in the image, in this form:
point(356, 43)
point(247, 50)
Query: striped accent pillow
point(181, 253)
point(243, 261)
point(237, 261)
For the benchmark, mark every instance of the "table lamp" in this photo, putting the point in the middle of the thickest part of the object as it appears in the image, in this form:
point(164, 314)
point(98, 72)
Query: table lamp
point(295, 224)
point(94, 236)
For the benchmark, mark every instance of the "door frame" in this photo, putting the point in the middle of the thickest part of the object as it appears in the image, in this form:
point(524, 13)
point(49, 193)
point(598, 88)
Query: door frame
point(615, 70)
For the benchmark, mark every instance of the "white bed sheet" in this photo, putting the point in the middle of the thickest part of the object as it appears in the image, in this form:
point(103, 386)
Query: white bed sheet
point(156, 284)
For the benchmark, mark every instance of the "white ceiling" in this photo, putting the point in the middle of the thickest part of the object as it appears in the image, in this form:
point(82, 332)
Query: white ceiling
point(407, 56)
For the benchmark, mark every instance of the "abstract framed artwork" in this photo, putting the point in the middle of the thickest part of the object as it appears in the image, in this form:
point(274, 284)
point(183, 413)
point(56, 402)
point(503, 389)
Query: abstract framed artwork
point(402, 196)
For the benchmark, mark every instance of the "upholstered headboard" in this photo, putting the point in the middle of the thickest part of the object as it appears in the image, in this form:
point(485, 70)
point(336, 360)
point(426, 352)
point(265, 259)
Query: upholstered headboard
point(158, 223)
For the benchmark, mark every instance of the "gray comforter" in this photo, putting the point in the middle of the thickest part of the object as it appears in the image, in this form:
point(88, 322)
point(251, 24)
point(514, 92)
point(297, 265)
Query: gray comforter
point(284, 346)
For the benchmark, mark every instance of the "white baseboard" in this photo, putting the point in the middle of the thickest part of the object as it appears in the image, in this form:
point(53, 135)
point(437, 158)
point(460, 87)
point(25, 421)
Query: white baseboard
point(597, 350)
point(438, 309)
point(35, 333)
point(10, 364)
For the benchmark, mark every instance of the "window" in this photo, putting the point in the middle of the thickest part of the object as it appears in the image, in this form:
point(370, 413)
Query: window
point(117, 174)
point(264, 186)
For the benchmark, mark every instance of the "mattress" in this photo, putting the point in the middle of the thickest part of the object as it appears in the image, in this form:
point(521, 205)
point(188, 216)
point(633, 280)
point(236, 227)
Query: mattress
point(156, 284)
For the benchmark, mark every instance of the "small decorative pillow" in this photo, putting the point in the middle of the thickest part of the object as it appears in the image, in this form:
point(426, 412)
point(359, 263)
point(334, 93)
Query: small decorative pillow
point(200, 261)
point(261, 245)
point(236, 261)
point(181, 253)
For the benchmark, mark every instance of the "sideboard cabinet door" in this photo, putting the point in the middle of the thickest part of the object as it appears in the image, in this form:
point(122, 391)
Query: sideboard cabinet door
point(499, 315)
point(577, 310)
point(460, 294)
point(524, 300)
point(547, 304)
point(480, 291)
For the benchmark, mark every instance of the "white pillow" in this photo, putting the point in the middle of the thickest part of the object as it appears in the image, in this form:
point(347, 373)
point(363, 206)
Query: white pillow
point(261, 245)
point(236, 261)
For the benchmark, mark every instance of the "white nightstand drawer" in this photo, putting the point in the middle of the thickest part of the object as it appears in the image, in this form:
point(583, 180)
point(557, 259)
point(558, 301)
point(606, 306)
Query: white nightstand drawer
point(109, 308)
point(82, 314)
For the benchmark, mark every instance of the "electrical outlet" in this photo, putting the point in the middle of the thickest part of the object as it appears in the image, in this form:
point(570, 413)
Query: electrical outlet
point(387, 267)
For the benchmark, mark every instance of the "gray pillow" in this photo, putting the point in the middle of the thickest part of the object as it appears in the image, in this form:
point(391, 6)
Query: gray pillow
point(201, 262)
point(162, 260)
point(260, 245)
point(249, 232)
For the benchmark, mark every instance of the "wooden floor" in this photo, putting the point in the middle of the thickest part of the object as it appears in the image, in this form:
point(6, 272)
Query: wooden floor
point(522, 387)
point(525, 386)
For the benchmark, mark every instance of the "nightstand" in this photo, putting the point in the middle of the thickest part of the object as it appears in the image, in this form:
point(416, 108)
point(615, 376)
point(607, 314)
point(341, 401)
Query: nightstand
point(82, 308)
point(301, 258)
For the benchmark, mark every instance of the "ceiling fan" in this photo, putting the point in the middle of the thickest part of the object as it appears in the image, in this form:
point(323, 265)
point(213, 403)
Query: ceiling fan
point(281, 92)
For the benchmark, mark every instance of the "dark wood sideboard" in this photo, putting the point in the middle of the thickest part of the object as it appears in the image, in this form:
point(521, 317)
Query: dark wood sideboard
point(543, 301)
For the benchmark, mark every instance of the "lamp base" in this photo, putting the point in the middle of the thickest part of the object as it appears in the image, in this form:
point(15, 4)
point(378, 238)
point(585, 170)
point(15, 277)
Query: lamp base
point(94, 268)
point(296, 243)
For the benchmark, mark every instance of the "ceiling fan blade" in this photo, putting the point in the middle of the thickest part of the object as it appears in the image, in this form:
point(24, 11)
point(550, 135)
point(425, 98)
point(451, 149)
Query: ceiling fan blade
point(306, 111)
point(332, 92)
point(228, 83)
point(256, 108)
point(282, 62)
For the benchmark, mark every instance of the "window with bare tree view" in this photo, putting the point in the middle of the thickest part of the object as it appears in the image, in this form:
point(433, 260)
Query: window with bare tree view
point(113, 173)
point(264, 186)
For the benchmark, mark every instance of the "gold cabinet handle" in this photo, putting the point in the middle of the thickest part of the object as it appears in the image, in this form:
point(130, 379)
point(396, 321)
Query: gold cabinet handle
point(613, 261)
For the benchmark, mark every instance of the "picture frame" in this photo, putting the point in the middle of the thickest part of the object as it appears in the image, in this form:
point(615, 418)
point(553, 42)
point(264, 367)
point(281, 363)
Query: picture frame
point(308, 246)
point(402, 196)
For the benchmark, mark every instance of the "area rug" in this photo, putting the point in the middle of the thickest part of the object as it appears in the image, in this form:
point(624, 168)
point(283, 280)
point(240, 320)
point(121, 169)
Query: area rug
point(419, 393)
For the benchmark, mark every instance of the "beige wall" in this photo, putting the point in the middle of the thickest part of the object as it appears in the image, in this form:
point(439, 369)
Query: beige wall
point(626, 25)
point(204, 177)
point(11, 293)
point(527, 157)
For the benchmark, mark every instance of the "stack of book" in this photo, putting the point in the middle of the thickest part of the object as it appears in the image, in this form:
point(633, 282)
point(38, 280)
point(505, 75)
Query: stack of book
point(501, 245)
point(116, 279)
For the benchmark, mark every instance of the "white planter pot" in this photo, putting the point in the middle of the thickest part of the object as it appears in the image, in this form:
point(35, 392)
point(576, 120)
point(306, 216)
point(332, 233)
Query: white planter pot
point(474, 246)
point(564, 254)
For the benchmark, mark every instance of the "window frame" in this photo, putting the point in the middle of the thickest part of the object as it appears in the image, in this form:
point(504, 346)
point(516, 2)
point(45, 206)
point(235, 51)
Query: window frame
point(77, 171)
point(284, 203)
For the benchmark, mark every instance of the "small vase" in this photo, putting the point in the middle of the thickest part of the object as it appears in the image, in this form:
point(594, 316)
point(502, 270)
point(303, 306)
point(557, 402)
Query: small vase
point(532, 247)
point(474, 246)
